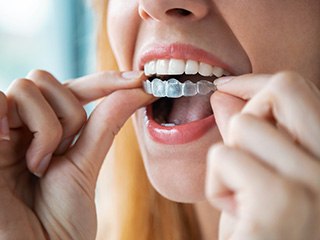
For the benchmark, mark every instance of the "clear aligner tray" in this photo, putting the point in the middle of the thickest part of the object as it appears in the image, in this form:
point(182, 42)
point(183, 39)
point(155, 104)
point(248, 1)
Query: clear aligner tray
point(172, 88)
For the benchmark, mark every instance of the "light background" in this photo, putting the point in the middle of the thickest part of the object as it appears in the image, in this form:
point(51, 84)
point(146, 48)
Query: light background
point(54, 35)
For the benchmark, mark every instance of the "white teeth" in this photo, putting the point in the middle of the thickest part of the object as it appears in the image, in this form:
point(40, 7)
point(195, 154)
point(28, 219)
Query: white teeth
point(179, 66)
point(205, 69)
point(192, 67)
point(175, 89)
point(152, 67)
point(176, 67)
point(217, 71)
point(162, 66)
point(226, 73)
point(168, 124)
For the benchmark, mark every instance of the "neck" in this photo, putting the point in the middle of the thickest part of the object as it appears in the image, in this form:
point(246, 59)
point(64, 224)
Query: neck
point(208, 220)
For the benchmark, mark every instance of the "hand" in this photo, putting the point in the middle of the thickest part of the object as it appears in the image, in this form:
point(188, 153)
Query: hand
point(44, 117)
point(265, 177)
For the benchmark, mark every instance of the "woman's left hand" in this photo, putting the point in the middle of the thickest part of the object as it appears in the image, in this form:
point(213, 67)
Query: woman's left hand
point(265, 177)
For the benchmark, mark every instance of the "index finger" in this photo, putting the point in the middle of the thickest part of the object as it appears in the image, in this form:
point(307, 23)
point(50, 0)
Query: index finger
point(92, 87)
point(244, 86)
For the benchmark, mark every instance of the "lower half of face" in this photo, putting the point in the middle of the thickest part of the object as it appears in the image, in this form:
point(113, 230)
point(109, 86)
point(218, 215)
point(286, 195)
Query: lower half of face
point(175, 169)
point(251, 36)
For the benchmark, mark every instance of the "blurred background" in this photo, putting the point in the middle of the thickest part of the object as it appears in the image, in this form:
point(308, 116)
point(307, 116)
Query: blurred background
point(54, 35)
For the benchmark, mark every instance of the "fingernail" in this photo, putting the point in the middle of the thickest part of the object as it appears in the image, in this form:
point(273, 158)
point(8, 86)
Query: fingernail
point(222, 80)
point(131, 75)
point(4, 129)
point(43, 165)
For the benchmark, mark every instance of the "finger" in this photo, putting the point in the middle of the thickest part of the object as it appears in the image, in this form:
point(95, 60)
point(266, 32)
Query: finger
point(295, 106)
point(98, 85)
point(35, 112)
point(245, 86)
point(232, 173)
point(276, 150)
point(68, 109)
point(104, 123)
point(255, 185)
point(248, 85)
point(281, 91)
point(224, 106)
point(4, 125)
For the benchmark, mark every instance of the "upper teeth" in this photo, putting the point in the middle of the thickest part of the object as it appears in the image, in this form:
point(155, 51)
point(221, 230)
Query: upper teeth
point(178, 67)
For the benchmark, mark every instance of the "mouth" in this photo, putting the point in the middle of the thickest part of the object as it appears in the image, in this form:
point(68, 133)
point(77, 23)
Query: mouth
point(191, 81)
point(182, 76)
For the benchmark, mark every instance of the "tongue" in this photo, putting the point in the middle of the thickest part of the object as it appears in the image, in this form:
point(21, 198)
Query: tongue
point(189, 109)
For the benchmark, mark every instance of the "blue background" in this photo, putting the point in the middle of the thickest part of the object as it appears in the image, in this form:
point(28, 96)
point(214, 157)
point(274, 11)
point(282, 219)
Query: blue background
point(54, 35)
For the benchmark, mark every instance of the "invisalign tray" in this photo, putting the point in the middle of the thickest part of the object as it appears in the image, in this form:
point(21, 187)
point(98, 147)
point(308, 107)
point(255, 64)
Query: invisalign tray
point(172, 88)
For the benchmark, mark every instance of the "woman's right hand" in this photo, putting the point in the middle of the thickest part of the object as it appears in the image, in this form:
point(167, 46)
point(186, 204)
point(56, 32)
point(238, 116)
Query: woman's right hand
point(39, 120)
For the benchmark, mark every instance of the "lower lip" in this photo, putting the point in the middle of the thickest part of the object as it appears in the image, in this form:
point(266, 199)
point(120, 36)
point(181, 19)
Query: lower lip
point(179, 134)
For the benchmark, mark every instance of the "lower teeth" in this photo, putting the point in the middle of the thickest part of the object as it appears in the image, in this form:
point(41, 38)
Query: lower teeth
point(168, 124)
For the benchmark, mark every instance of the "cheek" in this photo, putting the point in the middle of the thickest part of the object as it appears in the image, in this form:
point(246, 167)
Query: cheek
point(274, 33)
point(122, 26)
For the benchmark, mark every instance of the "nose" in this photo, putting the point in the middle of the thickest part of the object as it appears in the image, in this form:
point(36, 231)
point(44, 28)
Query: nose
point(166, 10)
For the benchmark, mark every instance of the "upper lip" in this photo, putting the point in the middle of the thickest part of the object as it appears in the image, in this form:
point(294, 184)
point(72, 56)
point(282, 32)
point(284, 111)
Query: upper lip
point(181, 51)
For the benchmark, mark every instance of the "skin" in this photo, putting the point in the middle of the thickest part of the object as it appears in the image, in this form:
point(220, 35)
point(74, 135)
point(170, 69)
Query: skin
point(251, 37)
point(247, 41)
point(268, 190)
point(44, 116)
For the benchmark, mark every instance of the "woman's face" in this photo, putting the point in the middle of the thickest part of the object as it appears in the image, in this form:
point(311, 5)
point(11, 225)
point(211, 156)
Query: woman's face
point(260, 36)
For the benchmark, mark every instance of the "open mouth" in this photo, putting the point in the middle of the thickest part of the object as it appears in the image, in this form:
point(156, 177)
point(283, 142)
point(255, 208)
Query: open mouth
point(190, 104)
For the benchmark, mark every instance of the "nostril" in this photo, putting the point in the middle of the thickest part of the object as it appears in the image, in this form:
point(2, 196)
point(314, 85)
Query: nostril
point(180, 12)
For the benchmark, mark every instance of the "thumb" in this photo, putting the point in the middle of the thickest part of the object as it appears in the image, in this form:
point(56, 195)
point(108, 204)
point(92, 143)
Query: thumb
point(104, 123)
point(225, 106)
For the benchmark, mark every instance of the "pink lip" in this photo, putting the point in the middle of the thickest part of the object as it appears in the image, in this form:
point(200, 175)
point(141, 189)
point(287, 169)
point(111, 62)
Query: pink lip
point(179, 134)
point(180, 51)
point(192, 131)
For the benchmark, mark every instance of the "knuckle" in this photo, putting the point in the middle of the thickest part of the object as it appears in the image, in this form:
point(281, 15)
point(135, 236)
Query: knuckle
point(54, 132)
point(50, 130)
point(22, 85)
point(283, 190)
point(285, 81)
point(237, 126)
point(77, 118)
point(216, 151)
point(114, 125)
point(109, 73)
point(40, 76)
point(81, 116)
point(291, 194)
point(38, 73)
point(115, 128)
point(218, 158)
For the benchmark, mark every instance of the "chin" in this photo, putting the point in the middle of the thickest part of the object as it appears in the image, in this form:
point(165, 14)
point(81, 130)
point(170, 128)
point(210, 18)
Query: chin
point(177, 181)
point(176, 171)
point(176, 131)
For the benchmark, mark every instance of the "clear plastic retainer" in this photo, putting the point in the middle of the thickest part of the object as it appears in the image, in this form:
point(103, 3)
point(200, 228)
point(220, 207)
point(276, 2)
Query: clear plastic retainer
point(172, 88)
